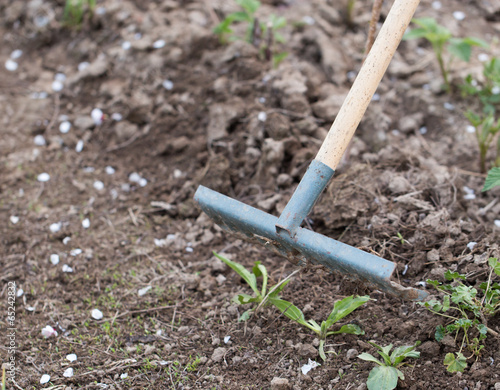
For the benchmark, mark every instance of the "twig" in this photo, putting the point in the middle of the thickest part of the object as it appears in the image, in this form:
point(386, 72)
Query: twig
point(377, 7)
point(55, 114)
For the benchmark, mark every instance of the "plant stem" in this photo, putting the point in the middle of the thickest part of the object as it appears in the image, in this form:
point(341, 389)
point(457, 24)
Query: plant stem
point(438, 50)
point(377, 7)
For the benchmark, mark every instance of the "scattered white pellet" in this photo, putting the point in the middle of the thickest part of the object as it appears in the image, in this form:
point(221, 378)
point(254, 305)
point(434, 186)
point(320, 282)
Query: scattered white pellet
point(459, 15)
point(71, 357)
point(60, 77)
point(88, 169)
point(226, 339)
point(16, 54)
point(262, 100)
point(124, 376)
point(262, 116)
point(14, 219)
point(44, 379)
point(49, 331)
point(396, 132)
point(483, 57)
point(83, 65)
point(39, 140)
point(160, 242)
point(55, 227)
point(469, 193)
point(376, 97)
point(116, 116)
point(189, 249)
point(97, 314)
point(471, 245)
point(57, 86)
point(54, 259)
point(158, 44)
point(19, 292)
point(171, 236)
point(98, 185)
point(79, 146)
point(126, 45)
point(178, 173)
point(66, 268)
point(168, 85)
point(497, 222)
point(43, 177)
point(144, 290)
point(470, 129)
point(449, 106)
point(436, 5)
point(309, 20)
point(495, 90)
point(143, 182)
point(423, 130)
point(101, 10)
point(309, 366)
point(66, 240)
point(109, 170)
point(97, 115)
point(11, 65)
point(114, 193)
point(68, 373)
point(134, 177)
point(75, 252)
point(86, 223)
point(422, 284)
point(137, 36)
point(64, 127)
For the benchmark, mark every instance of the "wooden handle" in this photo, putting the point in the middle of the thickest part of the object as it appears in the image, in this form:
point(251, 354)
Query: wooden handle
point(366, 82)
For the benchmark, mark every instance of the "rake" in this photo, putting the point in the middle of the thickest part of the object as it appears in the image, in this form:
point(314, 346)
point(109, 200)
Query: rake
point(284, 235)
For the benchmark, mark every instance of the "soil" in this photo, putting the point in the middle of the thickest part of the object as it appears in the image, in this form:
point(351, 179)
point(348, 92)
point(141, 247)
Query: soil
point(190, 110)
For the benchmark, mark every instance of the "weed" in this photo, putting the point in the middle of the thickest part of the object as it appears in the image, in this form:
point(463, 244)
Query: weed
point(75, 10)
point(472, 311)
point(262, 297)
point(385, 376)
point(440, 38)
point(492, 179)
point(340, 310)
point(263, 35)
point(486, 130)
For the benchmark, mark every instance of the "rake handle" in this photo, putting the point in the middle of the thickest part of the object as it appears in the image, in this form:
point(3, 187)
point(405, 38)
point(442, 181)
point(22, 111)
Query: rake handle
point(366, 83)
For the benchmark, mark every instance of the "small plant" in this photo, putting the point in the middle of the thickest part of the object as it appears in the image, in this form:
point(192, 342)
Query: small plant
point(472, 313)
point(262, 297)
point(385, 376)
point(440, 38)
point(74, 11)
point(263, 35)
point(488, 94)
point(340, 310)
point(492, 179)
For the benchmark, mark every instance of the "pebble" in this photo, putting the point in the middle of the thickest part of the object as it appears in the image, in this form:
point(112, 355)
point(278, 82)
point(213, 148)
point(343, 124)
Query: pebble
point(44, 379)
point(39, 140)
point(11, 65)
point(54, 259)
point(218, 354)
point(97, 314)
point(43, 177)
point(68, 373)
point(64, 127)
point(280, 384)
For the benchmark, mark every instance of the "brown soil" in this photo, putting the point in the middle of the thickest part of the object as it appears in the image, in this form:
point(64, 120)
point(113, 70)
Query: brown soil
point(400, 194)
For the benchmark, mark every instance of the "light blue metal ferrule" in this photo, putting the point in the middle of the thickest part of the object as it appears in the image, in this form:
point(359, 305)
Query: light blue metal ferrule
point(302, 201)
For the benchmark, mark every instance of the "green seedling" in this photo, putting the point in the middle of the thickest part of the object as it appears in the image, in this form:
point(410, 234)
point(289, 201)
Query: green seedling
point(263, 35)
point(74, 11)
point(488, 94)
point(262, 296)
point(440, 39)
point(467, 311)
point(386, 374)
point(486, 131)
point(340, 310)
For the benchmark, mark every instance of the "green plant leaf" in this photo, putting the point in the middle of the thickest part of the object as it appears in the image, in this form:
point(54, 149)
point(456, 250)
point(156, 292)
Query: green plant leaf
point(406, 351)
point(448, 275)
point(476, 42)
point(440, 333)
point(281, 286)
point(260, 270)
point(492, 180)
point(243, 299)
point(415, 34)
point(495, 264)
point(382, 378)
point(460, 49)
point(369, 358)
point(251, 6)
point(455, 364)
point(278, 57)
point(321, 349)
point(291, 311)
point(242, 271)
point(463, 294)
point(348, 329)
point(344, 307)
point(245, 316)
